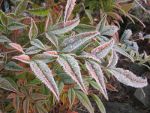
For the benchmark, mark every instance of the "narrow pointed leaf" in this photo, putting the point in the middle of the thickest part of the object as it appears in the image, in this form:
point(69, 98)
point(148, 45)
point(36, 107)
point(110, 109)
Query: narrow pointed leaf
point(52, 38)
point(51, 53)
point(126, 35)
point(113, 59)
point(17, 47)
point(5, 84)
point(71, 67)
point(37, 43)
point(32, 50)
point(95, 71)
point(12, 66)
point(109, 30)
point(128, 78)
point(99, 103)
point(74, 42)
point(68, 9)
point(33, 32)
point(15, 26)
point(102, 50)
point(71, 97)
point(22, 58)
point(26, 103)
point(43, 73)
point(85, 101)
point(101, 24)
point(4, 39)
point(62, 27)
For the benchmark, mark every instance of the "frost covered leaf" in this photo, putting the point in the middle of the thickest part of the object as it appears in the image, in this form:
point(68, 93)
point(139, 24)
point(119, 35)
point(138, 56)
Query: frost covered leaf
point(85, 101)
point(113, 59)
point(102, 50)
point(123, 52)
point(33, 32)
point(99, 103)
point(62, 27)
point(37, 43)
point(51, 53)
point(4, 39)
point(109, 30)
point(5, 84)
point(17, 47)
point(74, 42)
point(32, 50)
point(95, 71)
point(71, 67)
point(52, 38)
point(43, 73)
point(23, 58)
point(68, 10)
point(128, 78)
point(126, 35)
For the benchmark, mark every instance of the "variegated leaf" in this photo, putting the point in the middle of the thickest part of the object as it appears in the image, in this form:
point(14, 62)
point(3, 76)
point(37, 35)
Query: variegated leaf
point(109, 30)
point(74, 42)
point(51, 53)
point(113, 59)
point(32, 50)
point(23, 58)
point(52, 38)
point(37, 43)
point(62, 27)
point(95, 71)
point(101, 24)
point(17, 47)
point(102, 50)
point(43, 73)
point(4, 39)
point(33, 32)
point(128, 78)
point(71, 67)
point(68, 10)
point(126, 35)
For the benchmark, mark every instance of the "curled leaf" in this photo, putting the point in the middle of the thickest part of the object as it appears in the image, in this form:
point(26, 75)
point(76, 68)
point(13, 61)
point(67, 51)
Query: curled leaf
point(128, 78)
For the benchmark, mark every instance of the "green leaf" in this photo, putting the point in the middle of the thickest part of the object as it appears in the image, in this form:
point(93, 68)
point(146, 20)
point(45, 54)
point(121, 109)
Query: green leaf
point(21, 7)
point(99, 103)
point(43, 73)
point(71, 96)
point(74, 42)
point(5, 84)
point(71, 67)
point(85, 101)
point(33, 32)
point(101, 24)
point(39, 11)
point(61, 28)
point(94, 85)
point(37, 43)
point(3, 18)
point(12, 66)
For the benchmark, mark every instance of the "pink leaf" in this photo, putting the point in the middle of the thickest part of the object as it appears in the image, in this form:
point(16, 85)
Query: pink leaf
point(96, 73)
point(68, 10)
point(22, 58)
point(17, 47)
point(51, 53)
point(102, 50)
point(43, 73)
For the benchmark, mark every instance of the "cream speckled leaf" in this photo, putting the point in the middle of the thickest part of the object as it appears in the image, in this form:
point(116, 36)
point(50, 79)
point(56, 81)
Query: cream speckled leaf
point(128, 78)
